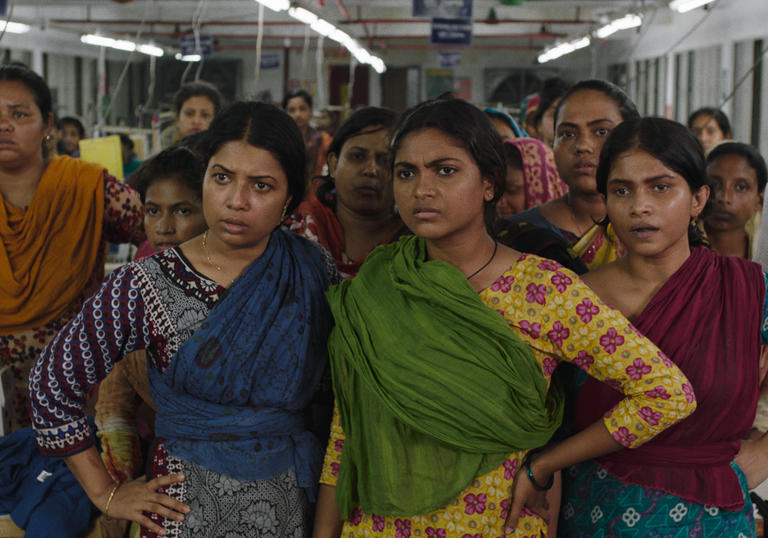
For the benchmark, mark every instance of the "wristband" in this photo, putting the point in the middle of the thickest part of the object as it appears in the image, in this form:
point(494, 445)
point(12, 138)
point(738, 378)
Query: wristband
point(536, 485)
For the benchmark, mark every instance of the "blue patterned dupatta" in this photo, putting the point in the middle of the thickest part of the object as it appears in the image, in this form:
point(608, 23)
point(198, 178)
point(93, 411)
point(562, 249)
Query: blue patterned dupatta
point(232, 399)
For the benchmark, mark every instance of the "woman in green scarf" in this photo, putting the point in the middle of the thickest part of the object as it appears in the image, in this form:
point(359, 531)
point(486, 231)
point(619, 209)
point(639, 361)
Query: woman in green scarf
point(443, 351)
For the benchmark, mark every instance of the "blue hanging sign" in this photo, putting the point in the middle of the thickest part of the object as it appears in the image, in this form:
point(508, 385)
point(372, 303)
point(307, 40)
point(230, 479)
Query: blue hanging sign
point(449, 59)
point(445, 9)
point(451, 32)
point(270, 61)
point(188, 45)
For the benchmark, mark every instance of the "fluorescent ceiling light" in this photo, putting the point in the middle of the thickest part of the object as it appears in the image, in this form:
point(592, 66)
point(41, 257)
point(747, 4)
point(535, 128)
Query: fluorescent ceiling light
point(150, 50)
point(682, 6)
point(561, 49)
point(303, 15)
point(628, 21)
point(188, 57)
point(323, 27)
point(14, 27)
point(326, 29)
point(275, 5)
point(120, 44)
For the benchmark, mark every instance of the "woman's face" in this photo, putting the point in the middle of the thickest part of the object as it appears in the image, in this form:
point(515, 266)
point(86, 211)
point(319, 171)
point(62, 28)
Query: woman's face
point(585, 121)
point(650, 205)
point(69, 137)
point(173, 213)
point(546, 127)
point(22, 127)
point(361, 174)
point(707, 131)
point(439, 189)
point(244, 193)
point(504, 129)
point(300, 111)
point(735, 196)
point(195, 115)
point(512, 201)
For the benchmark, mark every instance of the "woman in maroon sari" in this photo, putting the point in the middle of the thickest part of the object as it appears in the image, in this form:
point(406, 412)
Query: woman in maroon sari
point(706, 313)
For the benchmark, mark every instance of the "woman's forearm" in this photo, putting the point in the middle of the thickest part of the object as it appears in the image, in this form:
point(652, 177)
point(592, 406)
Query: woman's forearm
point(592, 442)
point(92, 475)
point(328, 520)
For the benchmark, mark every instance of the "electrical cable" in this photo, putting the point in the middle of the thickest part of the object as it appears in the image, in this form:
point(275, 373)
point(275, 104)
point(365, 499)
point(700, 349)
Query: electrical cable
point(743, 79)
point(120, 79)
point(259, 38)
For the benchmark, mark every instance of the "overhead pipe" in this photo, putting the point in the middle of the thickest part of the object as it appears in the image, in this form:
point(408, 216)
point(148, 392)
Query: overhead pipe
point(377, 38)
point(293, 23)
point(389, 47)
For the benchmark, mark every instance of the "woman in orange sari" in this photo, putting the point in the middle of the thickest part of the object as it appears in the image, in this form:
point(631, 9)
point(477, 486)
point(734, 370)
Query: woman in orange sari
point(56, 216)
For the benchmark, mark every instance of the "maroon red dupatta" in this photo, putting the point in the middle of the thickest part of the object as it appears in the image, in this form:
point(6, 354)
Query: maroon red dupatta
point(326, 230)
point(706, 319)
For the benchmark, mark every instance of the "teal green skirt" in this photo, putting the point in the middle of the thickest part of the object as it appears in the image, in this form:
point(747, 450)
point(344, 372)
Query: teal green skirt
point(596, 505)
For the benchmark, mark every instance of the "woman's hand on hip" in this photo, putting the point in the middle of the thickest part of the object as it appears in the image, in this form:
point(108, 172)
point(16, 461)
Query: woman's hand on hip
point(132, 499)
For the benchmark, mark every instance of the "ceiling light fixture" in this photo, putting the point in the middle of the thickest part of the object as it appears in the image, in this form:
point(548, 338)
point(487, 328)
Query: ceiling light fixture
point(624, 23)
point(326, 29)
point(683, 6)
point(561, 49)
point(121, 44)
point(14, 27)
point(188, 57)
point(275, 5)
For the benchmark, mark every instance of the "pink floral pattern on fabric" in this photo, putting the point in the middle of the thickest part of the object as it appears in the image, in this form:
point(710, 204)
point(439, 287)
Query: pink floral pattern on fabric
point(638, 369)
point(571, 325)
point(357, 516)
point(558, 334)
point(650, 416)
point(503, 284)
point(536, 293)
point(436, 533)
point(510, 468)
point(611, 340)
point(548, 366)
point(549, 265)
point(583, 360)
point(688, 390)
point(475, 503)
point(403, 527)
point(586, 310)
point(623, 436)
point(561, 281)
point(658, 392)
point(531, 329)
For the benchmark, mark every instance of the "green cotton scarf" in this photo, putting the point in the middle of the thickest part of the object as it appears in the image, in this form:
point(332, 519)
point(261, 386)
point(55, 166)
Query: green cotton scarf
point(433, 387)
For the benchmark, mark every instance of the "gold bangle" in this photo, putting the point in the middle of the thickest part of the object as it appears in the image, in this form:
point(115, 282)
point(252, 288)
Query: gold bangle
point(109, 499)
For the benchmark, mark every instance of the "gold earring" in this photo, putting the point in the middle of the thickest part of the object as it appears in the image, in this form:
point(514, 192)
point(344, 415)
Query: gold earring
point(282, 215)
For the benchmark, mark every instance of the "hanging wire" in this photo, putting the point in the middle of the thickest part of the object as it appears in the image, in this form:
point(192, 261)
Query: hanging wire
point(259, 37)
point(127, 65)
point(744, 78)
point(305, 52)
point(197, 17)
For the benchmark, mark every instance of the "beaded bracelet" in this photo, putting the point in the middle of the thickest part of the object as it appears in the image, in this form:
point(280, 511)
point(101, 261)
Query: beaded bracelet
point(109, 499)
point(536, 485)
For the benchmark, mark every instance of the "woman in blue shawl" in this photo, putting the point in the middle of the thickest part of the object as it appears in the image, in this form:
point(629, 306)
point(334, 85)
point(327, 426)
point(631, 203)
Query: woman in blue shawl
point(235, 326)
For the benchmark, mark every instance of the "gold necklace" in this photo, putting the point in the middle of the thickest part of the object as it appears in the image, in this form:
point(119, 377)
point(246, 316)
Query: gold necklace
point(207, 254)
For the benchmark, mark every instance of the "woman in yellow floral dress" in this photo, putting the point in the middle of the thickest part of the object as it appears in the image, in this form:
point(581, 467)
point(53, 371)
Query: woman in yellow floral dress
point(442, 353)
